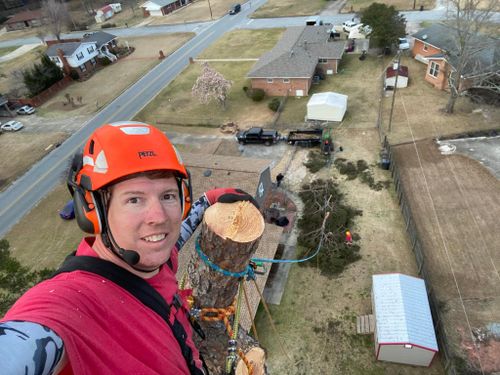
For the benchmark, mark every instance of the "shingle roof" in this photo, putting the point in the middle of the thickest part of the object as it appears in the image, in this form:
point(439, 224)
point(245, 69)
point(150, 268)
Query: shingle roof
point(296, 54)
point(99, 37)
point(391, 72)
point(25, 16)
point(484, 58)
point(67, 48)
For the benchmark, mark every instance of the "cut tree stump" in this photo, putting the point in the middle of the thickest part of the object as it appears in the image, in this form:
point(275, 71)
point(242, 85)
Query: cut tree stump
point(230, 235)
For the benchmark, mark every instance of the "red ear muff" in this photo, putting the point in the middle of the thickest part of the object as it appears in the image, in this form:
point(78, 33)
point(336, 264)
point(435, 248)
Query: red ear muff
point(186, 198)
point(87, 211)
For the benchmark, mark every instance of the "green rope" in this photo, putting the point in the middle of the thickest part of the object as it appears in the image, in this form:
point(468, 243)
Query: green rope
point(231, 358)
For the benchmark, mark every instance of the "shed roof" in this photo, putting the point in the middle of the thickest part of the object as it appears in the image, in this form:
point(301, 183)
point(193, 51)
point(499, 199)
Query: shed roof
point(27, 15)
point(391, 72)
point(296, 54)
point(402, 311)
point(329, 98)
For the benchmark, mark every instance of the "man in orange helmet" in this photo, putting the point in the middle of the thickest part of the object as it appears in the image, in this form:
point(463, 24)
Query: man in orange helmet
point(114, 307)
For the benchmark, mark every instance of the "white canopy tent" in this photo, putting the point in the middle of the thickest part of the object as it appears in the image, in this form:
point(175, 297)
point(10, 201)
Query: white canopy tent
point(327, 106)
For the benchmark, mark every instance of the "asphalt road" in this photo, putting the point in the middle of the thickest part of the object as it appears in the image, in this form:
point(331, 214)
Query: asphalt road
point(28, 190)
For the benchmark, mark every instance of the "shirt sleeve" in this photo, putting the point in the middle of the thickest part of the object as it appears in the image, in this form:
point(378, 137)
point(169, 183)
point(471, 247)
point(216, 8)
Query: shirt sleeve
point(192, 221)
point(29, 348)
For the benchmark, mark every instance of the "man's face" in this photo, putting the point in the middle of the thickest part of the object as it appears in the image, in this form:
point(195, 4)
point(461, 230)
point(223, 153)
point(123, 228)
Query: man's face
point(144, 215)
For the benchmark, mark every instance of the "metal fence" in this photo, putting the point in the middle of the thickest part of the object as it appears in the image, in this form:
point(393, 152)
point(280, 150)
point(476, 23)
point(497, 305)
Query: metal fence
point(419, 252)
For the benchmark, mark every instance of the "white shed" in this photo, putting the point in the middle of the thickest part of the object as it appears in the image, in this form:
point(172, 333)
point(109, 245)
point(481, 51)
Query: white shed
point(327, 106)
point(390, 76)
point(404, 331)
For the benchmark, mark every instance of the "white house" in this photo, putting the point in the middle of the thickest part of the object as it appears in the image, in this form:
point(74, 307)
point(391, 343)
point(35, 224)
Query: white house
point(404, 331)
point(158, 8)
point(390, 76)
point(327, 106)
point(82, 56)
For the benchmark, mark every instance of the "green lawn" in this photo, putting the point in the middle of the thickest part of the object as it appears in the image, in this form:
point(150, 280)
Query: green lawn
point(4, 51)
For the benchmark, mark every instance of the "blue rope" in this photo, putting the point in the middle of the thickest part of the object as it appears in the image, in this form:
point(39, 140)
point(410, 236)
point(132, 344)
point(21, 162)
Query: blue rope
point(248, 271)
point(266, 260)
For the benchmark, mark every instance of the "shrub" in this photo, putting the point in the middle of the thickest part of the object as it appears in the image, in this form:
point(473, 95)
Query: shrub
point(74, 74)
point(256, 94)
point(245, 88)
point(104, 61)
point(315, 161)
point(107, 25)
point(274, 104)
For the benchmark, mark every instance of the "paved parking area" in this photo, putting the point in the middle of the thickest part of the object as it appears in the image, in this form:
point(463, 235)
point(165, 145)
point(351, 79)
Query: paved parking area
point(37, 124)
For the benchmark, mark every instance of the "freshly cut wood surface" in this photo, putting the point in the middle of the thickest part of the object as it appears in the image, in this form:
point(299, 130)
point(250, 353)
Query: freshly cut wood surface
point(240, 222)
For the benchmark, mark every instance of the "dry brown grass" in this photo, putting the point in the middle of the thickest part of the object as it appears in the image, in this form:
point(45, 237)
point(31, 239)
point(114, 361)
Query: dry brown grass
point(289, 8)
point(357, 5)
point(19, 150)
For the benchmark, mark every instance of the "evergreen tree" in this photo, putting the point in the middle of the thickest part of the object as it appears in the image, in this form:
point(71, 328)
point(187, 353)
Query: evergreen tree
point(42, 75)
point(386, 22)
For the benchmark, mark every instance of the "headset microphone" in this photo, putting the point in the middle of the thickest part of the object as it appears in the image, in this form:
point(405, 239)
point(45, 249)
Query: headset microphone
point(130, 257)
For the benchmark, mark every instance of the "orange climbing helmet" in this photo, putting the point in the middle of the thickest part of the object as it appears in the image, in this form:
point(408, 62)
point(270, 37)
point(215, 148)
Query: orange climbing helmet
point(121, 149)
point(113, 152)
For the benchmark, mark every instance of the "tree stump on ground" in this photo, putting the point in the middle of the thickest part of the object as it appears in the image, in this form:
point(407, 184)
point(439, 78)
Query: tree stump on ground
point(230, 235)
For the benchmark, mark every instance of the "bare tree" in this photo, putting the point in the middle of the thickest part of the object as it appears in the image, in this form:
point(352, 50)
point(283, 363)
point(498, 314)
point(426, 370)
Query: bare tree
point(57, 16)
point(211, 85)
point(473, 61)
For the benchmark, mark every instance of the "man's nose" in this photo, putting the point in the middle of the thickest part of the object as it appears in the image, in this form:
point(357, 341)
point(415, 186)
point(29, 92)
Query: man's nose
point(157, 213)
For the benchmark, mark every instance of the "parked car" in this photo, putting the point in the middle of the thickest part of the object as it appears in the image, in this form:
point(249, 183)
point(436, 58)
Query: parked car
point(12, 126)
point(257, 135)
point(235, 8)
point(25, 110)
point(403, 44)
point(347, 25)
point(68, 211)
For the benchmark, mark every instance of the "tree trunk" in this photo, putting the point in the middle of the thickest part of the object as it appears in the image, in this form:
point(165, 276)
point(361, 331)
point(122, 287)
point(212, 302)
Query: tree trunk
point(450, 106)
point(230, 235)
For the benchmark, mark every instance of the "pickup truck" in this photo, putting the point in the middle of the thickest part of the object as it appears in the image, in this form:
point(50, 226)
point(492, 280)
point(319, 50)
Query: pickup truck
point(257, 135)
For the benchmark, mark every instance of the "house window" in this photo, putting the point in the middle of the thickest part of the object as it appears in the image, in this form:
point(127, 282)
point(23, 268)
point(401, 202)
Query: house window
point(83, 68)
point(286, 80)
point(93, 61)
point(434, 70)
point(323, 61)
point(90, 49)
point(424, 47)
point(269, 80)
point(79, 56)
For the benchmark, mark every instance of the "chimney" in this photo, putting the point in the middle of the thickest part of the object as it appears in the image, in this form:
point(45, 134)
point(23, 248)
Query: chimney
point(66, 67)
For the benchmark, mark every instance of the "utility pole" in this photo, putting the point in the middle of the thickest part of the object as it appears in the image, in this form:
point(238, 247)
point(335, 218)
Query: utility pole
point(210, 8)
point(395, 88)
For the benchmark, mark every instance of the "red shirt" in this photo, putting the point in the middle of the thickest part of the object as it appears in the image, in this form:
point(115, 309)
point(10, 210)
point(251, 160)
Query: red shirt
point(104, 328)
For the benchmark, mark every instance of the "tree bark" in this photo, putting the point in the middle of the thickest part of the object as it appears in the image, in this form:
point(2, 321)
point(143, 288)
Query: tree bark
point(230, 235)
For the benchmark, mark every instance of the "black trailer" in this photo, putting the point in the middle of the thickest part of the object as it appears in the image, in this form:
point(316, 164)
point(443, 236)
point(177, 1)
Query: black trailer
point(305, 137)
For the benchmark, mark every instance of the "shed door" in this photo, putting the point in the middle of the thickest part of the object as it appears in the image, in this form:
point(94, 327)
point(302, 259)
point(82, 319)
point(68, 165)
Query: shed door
point(299, 92)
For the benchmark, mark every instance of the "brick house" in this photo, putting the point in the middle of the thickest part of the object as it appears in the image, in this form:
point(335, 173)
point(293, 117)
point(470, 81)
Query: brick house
point(24, 20)
point(436, 47)
point(291, 66)
point(158, 8)
point(81, 56)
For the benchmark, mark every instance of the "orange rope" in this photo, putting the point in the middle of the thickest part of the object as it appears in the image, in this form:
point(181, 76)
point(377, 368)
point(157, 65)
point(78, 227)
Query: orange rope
point(246, 361)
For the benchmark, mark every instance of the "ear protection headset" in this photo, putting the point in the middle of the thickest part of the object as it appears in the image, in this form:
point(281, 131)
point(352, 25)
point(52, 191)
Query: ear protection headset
point(113, 153)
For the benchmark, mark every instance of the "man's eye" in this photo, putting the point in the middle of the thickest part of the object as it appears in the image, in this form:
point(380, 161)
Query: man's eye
point(133, 200)
point(168, 196)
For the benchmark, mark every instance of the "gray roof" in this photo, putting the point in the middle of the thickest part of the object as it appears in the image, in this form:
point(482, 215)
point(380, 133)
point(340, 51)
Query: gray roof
point(99, 37)
point(67, 48)
point(296, 54)
point(485, 53)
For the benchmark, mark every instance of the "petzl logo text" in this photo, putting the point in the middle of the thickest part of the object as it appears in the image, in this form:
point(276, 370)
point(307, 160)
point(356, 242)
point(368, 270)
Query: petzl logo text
point(146, 154)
